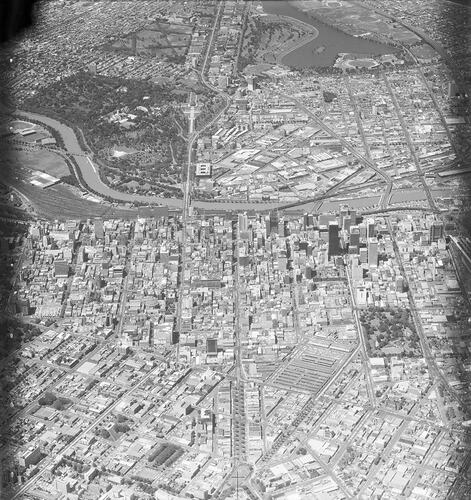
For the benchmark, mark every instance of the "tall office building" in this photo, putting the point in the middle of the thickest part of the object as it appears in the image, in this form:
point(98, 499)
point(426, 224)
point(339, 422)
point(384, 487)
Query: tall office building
point(373, 252)
point(274, 221)
point(212, 346)
point(251, 83)
point(436, 231)
point(323, 233)
point(354, 236)
point(353, 216)
point(61, 268)
point(243, 223)
point(308, 220)
point(362, 297)
point(343, 214)
point(334, 240)
point(357, 270)
point(305, 221)
point(267, 226)
point(283, 228)
point(370, 228)
point(346, 223)
point(99, 230)
point(322, 257)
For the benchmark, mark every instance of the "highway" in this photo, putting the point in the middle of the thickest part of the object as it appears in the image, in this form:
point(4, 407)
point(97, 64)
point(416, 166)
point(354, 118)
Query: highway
point(435, 102)
point(361, 130)
point(240, 373)
point(124, 294)
point(333, 191)
point(187, 175)
point(399, 114)
point(238, 413)
point(245, 15)
point(383, 203)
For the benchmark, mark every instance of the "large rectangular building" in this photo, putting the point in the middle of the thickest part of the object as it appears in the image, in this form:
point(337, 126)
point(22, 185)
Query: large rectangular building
point(373, 252)
point(334, 239)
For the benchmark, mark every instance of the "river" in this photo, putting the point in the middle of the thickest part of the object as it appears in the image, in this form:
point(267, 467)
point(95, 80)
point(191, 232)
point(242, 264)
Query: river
point(323, 51)
point(89, 172)
point(92, 179)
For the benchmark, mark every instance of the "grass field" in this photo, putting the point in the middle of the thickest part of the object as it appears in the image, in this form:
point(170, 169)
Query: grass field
point(46, 161)
point(156, 40)
point(20, 124)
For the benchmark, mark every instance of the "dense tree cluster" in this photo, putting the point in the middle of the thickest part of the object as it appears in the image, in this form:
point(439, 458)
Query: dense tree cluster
point(50, 399)
point(87, 103)
point(258, 38)
point(386, 327)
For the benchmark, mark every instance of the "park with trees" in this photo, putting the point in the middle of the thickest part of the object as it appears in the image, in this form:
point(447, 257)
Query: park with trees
point(390, 331)
point(139, 117)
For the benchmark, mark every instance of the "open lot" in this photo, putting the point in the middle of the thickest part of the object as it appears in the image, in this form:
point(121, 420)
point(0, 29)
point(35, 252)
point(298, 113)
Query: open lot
point(156, 40)
point(21, 125)
point(45, 161)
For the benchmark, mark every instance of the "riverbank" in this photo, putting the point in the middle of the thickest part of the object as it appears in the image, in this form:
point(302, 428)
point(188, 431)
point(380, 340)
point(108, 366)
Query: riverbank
point(324, 49)
point(90, 176)
point(285, 53)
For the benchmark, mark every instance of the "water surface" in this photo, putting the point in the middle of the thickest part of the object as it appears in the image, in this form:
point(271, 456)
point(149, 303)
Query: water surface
point(323, 51)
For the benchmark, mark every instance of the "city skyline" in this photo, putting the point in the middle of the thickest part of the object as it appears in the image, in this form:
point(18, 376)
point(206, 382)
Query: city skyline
point(237, 251)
